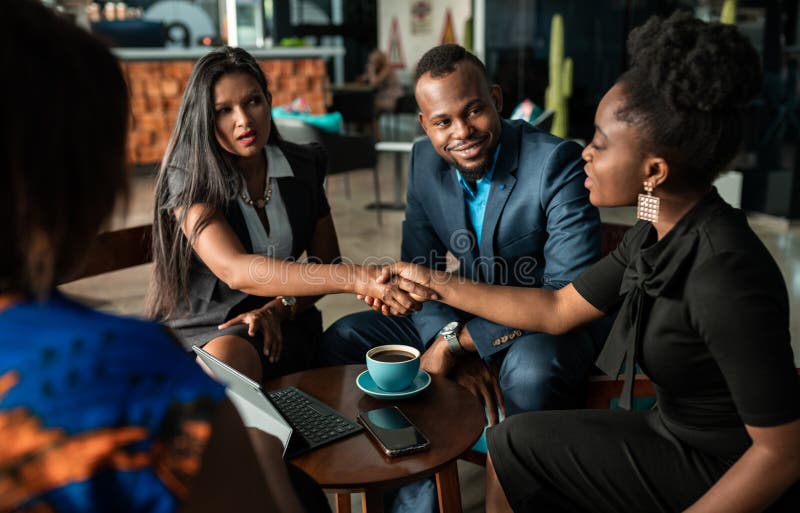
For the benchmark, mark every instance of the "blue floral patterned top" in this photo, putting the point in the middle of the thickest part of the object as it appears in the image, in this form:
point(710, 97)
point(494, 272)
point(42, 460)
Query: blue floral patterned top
point(98, 413)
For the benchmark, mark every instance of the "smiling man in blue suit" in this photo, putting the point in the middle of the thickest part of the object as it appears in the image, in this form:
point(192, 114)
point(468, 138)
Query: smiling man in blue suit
point(507, 201)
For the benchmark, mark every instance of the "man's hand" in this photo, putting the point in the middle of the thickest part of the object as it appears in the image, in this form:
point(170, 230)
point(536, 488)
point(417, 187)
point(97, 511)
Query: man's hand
point(437, 359)
point(469, 371)
point(410, 278)
point(267, 320)
point(406, 273)
point(391, 295)
point(472, 373)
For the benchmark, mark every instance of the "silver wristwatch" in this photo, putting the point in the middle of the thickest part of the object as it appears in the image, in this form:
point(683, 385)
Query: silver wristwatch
point(290, 302)
point(450, 335)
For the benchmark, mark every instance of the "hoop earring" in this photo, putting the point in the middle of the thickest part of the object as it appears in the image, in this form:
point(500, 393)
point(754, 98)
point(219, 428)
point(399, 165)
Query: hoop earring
point(649, 205)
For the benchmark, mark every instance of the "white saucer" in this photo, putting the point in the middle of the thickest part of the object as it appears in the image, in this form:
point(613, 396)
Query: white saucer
point(367, 385)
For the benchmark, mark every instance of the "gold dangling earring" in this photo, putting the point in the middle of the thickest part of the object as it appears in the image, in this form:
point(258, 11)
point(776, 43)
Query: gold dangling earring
point(649, 205)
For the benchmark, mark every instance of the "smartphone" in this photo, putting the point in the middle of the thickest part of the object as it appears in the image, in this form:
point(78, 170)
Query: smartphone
point(396, 434)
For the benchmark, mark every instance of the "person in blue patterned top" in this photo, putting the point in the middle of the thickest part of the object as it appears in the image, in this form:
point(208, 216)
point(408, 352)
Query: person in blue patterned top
point(97, 413)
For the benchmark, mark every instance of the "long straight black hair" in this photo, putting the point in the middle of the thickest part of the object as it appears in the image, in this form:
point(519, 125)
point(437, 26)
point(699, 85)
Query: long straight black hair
point(195, 169)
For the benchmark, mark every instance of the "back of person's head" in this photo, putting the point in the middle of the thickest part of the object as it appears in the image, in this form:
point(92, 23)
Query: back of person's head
point(686, 90)
point(208, 173)
point(62, 150)
point(444, 59)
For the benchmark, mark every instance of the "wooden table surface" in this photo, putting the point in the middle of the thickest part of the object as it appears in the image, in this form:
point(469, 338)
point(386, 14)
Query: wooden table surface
point(446, 413)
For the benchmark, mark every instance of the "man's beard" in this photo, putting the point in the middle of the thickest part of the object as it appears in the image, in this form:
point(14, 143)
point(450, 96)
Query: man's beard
point(475, 173)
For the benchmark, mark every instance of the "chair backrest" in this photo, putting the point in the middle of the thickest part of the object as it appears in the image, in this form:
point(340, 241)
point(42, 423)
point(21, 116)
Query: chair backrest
point(406, 104)
point(118, 249)
point(544, 121)
point(610, 236)
point(357, 105)
point(297, 131)
point(345, 152)
point(349, 152)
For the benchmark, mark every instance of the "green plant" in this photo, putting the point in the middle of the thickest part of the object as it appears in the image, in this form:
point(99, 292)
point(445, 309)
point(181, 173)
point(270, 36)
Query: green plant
point(728, 15)
point(560, 87)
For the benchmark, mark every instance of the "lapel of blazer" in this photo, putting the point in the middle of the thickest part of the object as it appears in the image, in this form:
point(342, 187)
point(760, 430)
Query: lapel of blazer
point(236, 220)
point(295, 199)
point(503, 183)
point(298, 196)
point(460, 237)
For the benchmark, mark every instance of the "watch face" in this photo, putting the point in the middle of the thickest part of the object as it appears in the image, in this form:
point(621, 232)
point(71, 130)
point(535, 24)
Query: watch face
point(288, 300)
point(450, 326)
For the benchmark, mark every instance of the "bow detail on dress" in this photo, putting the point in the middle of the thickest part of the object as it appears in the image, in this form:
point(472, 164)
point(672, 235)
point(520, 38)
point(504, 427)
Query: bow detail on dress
point(648, 275)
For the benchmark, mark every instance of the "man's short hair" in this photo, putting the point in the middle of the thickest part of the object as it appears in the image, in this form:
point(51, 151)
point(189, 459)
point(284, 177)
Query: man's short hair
point(443, 60)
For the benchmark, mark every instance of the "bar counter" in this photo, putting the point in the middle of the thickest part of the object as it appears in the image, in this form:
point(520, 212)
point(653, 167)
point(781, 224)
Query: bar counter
point(171, 54)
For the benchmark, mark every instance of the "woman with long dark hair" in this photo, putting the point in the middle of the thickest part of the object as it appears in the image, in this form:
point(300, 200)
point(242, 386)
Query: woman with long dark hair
point(703, 308)
point(236, 205)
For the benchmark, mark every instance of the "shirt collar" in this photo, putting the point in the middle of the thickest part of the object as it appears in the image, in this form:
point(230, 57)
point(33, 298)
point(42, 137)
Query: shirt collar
point(277, 164)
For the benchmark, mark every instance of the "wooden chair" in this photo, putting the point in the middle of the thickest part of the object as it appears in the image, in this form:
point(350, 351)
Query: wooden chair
point(118, 249)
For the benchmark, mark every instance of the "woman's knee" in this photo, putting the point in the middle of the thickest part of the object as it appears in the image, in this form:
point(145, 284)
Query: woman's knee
point(238, 353)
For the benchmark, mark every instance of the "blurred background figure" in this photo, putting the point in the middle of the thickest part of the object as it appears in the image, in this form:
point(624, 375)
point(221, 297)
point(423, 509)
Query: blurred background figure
point(380, 75)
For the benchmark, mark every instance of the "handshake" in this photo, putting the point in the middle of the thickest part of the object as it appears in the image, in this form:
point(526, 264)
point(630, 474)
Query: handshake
point(399, 288)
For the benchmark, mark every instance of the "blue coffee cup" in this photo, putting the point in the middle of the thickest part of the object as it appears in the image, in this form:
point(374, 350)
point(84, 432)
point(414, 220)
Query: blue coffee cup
point(393, 367)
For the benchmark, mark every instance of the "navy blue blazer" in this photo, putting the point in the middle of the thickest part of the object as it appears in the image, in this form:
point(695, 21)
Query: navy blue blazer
point(539, 229)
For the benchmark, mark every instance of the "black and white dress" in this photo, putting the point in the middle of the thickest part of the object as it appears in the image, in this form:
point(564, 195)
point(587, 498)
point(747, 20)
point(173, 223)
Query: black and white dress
point(298, 203)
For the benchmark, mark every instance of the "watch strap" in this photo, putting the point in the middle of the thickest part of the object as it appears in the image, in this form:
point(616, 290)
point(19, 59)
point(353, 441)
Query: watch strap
point(453, 345)
point(291, 303)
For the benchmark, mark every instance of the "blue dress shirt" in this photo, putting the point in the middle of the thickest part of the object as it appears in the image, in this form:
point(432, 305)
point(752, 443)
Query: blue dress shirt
point(476, 198)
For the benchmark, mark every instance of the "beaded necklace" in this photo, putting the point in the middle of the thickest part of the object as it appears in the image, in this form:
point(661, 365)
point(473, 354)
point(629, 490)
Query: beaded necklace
point(260, 202)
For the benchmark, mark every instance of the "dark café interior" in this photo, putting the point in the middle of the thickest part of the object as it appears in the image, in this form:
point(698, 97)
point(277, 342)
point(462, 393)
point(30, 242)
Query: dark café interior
point(411, 256)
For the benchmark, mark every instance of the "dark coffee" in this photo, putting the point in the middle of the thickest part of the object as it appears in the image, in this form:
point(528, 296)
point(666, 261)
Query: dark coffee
point(392, 356)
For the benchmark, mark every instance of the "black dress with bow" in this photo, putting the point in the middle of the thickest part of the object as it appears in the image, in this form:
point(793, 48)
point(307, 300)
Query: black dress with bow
point(704, 313)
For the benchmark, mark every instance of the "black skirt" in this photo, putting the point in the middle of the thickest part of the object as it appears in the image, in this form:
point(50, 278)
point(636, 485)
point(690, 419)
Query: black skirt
point(300, 339)
point(603, 461)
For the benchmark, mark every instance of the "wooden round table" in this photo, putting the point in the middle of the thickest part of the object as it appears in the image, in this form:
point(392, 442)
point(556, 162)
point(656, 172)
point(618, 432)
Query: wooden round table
point(446, 413)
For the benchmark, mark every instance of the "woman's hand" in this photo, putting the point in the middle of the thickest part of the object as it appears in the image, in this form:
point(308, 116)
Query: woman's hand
point(392, 295)
point(267, 320)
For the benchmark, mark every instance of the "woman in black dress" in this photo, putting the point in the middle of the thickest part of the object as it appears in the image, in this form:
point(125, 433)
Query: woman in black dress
point(702, 305)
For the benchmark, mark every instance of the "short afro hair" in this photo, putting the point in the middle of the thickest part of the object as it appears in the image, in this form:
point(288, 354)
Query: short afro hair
point(443, 60)
point(686, 89)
